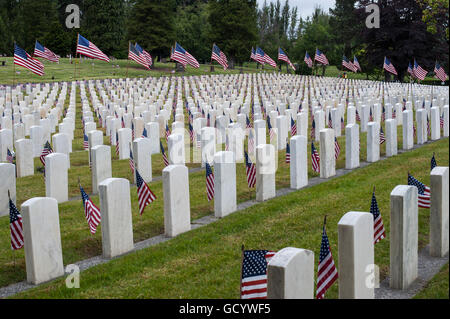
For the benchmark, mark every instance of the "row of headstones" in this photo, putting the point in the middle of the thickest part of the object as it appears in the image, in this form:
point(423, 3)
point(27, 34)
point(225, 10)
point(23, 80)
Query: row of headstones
point(291, 271)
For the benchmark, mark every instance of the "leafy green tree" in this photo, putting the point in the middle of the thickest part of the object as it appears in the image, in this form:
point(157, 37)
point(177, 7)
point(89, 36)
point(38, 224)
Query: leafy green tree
point(152, 25)
point(234, 27)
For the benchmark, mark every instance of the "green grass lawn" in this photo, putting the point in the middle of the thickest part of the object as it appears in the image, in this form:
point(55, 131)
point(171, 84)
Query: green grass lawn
point(437, 288)
point(95, 69)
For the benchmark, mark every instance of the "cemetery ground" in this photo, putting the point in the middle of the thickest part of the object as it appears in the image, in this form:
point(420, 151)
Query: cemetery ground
point(94, 69)
point(205, 262)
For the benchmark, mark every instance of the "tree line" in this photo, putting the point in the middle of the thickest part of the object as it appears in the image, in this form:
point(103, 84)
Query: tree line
point(408, 29)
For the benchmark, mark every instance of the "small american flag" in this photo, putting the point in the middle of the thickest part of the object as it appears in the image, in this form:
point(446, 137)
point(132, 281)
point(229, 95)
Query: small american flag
point(282, 56)
point(132, 131)
point(378, 231)
point(191, 132)
point(87, 48)
point(192, 61)
point(85, 142)
point(209, 182)
point(382, 137)
point(315, 158)
point(433, 162)
point(293, 127)
point(117, 144)
point(326, 272)
point(428, 126)
point(145, 195)
point(132, 167)
point(321, 58)
point(440, 73)
point(43, 52)
point(358, 118)
point(337, 148)
point(250, 171)
point(146, 55)
point(251, 142)
point(46, 151)
point(288, 154)
point(342, 124)
point(419, 72)
point(135, 55)
point(388, 66)
point(441, 121)
point(91, 212)
point(15, 226)
point(272, 134)
point(313, 129)
point(9, 156)
point(330, 121)
point(259, 56)
point(22, 58)
point(424, 192)
point(254, 273)
point(144, 133)
point(219, 56)
point(356, 63)
point(308, 60)
point(348, 64)
point(167, 132)
point(165, 159)
point(249, 124)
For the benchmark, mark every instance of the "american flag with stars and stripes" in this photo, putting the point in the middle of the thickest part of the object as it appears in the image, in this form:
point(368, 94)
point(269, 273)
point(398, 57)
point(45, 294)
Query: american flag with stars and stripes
point(382, 136)
point(254, 273)
point(356, 64)
point(441, 121)
point(89, 49)
point(315, 159)
point(253, 55)
point(293, 127)
point(117, 144)
point(259, 56)
point(419, 72)
point(22, 58)
point(424, 192)
point(313, 129)
point(308, 60)
point(179, 54)
point(330, 121)
point(251, 142)
point(167, 132)
point(219, 56)
point(133, 54)
point(15, 226)
point(250, 171)
point(410, 69)
point(440, 72)
point(191, 132)
point(348, 64)
point(132, 167)
point(248, 123)
point(91, 212)
point(146, 55)
point(326, 273)
point(321, 57)
point(46, 151)
point(272, 134)
point(433, 162)
point(282, 56)
point(288, 153)
point(209, 182)
point(145, 195)
point(9, 156)
point(388, 66)
point(43, 52)
point(337, 148)
point(85, 142)
point(163, 152)
point(378, 227)
point(358, 118)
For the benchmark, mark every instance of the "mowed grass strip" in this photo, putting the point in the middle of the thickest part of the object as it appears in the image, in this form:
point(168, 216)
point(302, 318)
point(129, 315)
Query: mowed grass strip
point(206, 262)
point(437, 288)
